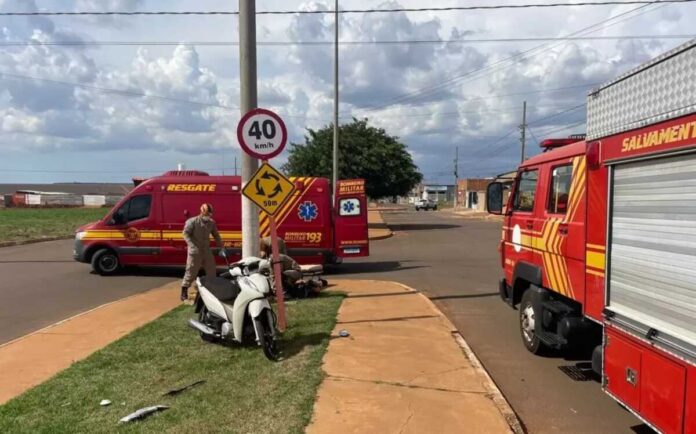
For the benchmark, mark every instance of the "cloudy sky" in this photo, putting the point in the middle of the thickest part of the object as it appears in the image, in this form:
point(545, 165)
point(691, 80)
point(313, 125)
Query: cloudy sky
point(111, 112)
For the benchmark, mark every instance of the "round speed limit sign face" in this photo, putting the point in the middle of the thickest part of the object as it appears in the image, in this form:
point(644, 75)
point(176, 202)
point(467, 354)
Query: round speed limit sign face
point(262, 134)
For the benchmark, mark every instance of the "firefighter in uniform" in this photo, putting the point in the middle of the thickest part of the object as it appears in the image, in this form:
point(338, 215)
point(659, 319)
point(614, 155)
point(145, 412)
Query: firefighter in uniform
point(197, 231)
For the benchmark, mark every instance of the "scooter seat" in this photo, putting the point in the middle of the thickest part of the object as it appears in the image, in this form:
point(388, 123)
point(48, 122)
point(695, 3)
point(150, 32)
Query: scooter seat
point(311, 269)
point(223, 289)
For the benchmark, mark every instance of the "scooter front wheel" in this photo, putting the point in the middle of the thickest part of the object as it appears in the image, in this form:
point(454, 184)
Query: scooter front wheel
point(267, 339)
point(203, 317)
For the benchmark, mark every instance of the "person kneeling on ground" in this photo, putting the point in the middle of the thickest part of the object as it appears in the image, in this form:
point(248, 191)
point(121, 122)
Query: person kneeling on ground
point(291, 272)
point(197, 231)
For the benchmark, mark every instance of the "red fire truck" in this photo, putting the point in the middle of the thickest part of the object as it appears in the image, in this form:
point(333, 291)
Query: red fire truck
point(599, 238)
point(145, 227)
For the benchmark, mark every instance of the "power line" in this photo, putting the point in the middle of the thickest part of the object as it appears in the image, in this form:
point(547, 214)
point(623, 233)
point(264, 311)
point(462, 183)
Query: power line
point(328, 43)
point(571, 109)
point(476, 97)
point(567, 127)
point(511, 60)
point(350, 11)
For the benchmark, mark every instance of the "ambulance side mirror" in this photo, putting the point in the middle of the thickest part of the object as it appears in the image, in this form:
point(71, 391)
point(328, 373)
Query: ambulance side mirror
point(494, 198)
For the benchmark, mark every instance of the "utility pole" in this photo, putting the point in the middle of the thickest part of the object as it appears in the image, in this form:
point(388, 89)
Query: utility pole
point(523, 129)
point(334, 178)
point(247, 75)
point(456, 176)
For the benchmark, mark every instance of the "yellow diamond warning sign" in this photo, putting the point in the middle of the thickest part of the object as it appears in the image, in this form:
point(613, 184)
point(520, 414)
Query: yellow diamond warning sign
point(268, 189)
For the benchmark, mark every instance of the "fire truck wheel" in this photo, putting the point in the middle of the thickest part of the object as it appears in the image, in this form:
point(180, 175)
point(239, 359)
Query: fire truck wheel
point(105, 262)
point(529, 314)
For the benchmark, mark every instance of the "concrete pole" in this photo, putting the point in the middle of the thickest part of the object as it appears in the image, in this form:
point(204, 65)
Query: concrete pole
point(523, 127)
point(456, 176)
point(334, 177)
point(247, 75)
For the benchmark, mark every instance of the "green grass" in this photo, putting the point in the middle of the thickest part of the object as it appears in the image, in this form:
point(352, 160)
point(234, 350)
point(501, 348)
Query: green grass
point(21, 224)
point(243, 392)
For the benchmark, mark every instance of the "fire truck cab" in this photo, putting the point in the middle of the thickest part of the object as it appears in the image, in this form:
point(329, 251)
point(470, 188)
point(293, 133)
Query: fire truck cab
point(599, 241)
point(543, 247)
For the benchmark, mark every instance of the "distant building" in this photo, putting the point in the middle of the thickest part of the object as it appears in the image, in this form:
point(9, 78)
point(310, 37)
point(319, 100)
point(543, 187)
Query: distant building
point(471, 193)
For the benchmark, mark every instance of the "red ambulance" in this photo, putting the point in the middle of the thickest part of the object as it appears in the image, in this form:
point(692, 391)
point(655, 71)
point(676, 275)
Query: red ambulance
point(145, 227)
point(599, 238)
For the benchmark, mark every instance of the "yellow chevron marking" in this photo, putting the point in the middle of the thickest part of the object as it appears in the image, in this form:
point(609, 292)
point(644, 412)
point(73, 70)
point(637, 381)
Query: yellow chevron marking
point(307, 188)
point(568, 282)
point(265, 222)
point(265, 230)
point(292, 202)
point(554, 259)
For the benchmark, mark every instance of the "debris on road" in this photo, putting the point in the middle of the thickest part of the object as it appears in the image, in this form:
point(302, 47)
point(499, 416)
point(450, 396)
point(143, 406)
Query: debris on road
point(344, 333)
point(143, 413)
point(174, 392)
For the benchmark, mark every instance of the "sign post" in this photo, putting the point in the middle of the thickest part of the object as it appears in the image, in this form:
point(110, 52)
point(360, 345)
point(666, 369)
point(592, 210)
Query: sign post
point(262, 134)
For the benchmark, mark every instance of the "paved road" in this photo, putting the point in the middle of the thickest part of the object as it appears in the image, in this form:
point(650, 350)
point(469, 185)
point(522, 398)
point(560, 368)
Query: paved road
point(455, 261)
point(41, 284)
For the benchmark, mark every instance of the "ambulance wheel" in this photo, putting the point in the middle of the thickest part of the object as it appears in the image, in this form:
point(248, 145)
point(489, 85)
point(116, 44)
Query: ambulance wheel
point(529, 314)
point(105, 262)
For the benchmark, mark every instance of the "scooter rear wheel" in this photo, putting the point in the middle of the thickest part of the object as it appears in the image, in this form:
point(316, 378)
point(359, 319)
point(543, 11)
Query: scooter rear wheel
point(266, 338)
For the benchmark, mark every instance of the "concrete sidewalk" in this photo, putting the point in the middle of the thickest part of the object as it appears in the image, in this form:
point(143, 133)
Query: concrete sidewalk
point(36, 357)
point(403, 369)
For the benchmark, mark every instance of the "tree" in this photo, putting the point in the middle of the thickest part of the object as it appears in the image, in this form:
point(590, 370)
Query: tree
point(364, 152)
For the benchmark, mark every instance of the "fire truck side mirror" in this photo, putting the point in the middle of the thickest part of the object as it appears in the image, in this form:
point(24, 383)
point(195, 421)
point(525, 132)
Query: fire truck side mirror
point(494, 198)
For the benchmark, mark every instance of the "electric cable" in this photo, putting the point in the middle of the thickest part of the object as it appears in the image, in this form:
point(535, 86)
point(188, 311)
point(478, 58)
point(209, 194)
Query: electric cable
point(350, 11)
point(330, 43)
point(511, 60)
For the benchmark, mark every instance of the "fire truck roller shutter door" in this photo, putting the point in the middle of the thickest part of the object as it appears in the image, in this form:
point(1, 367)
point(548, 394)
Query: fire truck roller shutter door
point(652, 272)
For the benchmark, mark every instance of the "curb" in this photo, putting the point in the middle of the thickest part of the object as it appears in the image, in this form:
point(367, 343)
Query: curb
point(34, 241)
point(381, 237)
point(496, 395)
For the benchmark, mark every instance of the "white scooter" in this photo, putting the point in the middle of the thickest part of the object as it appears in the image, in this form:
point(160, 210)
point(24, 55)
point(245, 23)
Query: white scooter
point(235, 307)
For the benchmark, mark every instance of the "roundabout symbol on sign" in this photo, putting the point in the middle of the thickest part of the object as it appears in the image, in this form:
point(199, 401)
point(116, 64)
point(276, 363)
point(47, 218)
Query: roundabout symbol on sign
point(262, 134)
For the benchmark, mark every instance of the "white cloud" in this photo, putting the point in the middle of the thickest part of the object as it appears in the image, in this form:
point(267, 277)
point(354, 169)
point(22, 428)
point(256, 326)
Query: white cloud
point(433, 96)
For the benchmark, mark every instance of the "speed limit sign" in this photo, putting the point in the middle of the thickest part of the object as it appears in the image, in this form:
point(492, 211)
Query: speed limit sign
point(262, 134)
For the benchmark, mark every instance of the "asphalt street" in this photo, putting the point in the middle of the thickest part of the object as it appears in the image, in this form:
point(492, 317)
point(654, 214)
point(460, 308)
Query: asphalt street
point(455, 262)
point(41, 284)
